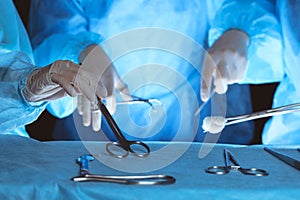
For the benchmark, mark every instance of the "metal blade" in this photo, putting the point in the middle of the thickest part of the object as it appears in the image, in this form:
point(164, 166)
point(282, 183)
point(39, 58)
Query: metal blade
point(288, 160)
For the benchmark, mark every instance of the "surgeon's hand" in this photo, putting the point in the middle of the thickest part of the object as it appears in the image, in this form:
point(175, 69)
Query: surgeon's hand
point(59, 79)
point(95, 60)
point(225, 63)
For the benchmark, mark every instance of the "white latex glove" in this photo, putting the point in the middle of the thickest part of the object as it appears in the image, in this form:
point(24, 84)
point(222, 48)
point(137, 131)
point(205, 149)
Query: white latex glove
point(95, 60)
point(59, 79)
point(225, 63)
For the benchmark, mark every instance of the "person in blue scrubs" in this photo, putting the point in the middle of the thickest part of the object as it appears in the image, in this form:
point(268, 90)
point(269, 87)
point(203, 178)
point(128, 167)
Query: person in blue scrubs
point(61, 30)
point(16, 64)
point(285, 129)
point(282, 129)
point(27, 89)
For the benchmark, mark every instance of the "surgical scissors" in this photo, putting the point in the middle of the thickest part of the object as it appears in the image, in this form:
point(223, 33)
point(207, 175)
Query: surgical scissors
point(127, 146)
point(226, 169)
point(265, 113)
point(155, 179)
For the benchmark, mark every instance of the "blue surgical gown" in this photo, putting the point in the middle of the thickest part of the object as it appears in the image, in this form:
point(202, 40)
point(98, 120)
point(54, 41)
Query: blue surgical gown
point(155, 48)
point(285, 129)
point(285, 57)
point(16, 64)
point(257, 18)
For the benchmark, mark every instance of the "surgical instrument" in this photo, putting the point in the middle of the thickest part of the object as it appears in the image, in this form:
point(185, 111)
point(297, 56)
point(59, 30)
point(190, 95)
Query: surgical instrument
point(265, 113)
point(156, 179)
point(215, 124)
point(151, 102)
point(288, 160)
point(137, 148)
point(228, 156)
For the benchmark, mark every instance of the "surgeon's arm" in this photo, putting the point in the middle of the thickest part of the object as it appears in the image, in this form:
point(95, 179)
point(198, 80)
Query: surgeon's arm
point(245, 46)
point(15, 110)
point(62, 30)
point(27, 88)
point(59, 31)
point(15, 66)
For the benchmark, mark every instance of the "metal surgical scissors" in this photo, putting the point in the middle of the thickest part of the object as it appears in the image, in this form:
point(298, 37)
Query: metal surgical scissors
point(226, 169)
point(137, 148)
point(155, 179)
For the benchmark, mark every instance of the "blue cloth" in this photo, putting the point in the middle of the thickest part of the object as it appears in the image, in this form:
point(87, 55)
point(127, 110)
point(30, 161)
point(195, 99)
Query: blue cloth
point(16, 64)
point(285, 129)
point(167, 69)
point(43, 170)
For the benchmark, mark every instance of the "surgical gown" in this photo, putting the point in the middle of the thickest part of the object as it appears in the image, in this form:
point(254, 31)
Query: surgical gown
point(256, 18)
point(155, 48)
point(15, 66)
point(285, 129)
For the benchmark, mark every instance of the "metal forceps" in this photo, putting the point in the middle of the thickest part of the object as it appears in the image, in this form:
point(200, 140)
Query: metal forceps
point(135, 99)
point(226, 169)
point(265, 113)
point(137, 148)
point(155, 179)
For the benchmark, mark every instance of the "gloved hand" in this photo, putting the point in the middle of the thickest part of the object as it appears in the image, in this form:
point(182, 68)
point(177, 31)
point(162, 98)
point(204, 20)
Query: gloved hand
point(96, 61)
point(59, 79)
point(225, 63)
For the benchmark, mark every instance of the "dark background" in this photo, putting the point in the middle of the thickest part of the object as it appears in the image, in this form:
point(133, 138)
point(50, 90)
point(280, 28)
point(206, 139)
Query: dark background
point(42, 128)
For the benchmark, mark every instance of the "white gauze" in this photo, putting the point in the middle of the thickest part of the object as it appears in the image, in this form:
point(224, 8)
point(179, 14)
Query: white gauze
point(214, 124)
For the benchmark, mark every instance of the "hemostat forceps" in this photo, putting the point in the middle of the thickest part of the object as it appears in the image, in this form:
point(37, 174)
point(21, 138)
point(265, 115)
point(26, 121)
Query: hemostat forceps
point(156, 179)
point(228, 157)
point(265, 113)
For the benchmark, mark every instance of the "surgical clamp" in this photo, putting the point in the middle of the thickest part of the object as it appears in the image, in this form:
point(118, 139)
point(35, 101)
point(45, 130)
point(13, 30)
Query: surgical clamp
point(228, 158)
